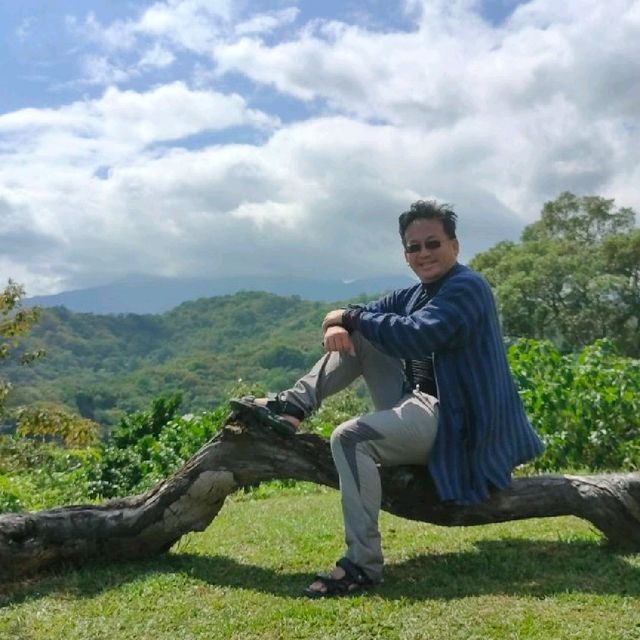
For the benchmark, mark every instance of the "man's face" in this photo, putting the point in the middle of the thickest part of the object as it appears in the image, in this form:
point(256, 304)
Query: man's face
point(429, 264)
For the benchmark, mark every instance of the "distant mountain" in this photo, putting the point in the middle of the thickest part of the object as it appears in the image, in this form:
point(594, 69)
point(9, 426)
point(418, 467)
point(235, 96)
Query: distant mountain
point(150, 294)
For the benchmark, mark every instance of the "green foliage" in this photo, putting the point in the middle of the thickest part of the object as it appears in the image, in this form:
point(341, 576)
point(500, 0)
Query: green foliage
point(183, 436)
point(147, 446)
point(104, 366)
point(137, 427)
point(36, 475)
point(48, 422)
point(584, 220)
point(15, 321)
point(574, 278)
point(282, 356)
point(9, 498)
point(585, 406)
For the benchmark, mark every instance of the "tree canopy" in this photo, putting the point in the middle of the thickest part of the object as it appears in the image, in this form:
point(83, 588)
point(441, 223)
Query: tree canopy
point(574, 277)
point(15, 321)
point(102, 366)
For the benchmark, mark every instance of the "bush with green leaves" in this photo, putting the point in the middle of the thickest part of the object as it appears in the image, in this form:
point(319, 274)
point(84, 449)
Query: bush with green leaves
point(147, 446)
point(586, 406)
point(38, 475)
point(9, 496)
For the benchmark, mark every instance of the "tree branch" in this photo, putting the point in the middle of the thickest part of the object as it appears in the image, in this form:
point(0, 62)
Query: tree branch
point(244, 455)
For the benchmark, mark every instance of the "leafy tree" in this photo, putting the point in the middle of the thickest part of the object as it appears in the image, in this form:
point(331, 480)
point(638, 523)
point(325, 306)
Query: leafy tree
point(53, 422)
point(134, 428)
point(584, 220)
point(15, 321)
point(574, 277)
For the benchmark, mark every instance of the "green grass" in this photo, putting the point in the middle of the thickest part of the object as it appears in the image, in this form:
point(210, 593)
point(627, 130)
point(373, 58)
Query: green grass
point(241, 578)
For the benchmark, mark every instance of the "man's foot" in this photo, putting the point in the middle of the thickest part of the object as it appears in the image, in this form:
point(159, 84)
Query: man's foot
point(264, 402)
point(273, 412)
point(346, 579)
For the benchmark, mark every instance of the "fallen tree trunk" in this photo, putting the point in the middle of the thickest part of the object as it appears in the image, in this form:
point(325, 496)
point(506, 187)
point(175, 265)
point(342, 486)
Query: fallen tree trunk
point(244, 455)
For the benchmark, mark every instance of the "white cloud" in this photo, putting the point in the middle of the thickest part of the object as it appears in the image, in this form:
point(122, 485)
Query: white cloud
point(575, 63)
point(100, 70)
point(171, 26)
point(157, 56)
point(496, 119)
point(189, 24)
point(267, 22)
point(59, 218)
point(401, 77)
point(24, 28)
point(120, 123)
point(455, 64)
point(268, 213)
point(307, 201)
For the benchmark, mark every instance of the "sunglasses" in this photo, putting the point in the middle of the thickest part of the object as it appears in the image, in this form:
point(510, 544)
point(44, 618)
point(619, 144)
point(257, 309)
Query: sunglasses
point(429, 245)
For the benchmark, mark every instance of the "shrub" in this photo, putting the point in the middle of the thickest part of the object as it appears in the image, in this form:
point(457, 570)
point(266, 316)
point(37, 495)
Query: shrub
point(9, 499)
point(147, 446)
point(36, 475)
point(54, 422)
point(586, 406)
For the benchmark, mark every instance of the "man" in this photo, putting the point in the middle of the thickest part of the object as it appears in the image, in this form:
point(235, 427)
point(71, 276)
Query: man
point(433, 358)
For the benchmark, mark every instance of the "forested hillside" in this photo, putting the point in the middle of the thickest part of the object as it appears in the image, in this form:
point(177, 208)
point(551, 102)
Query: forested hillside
point(101, 366)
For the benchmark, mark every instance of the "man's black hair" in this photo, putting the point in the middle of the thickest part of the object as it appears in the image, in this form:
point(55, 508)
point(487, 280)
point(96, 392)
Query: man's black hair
point(429, 210)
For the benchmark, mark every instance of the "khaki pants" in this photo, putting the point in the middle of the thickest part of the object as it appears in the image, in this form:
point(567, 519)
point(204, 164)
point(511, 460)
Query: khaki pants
point(401, 430)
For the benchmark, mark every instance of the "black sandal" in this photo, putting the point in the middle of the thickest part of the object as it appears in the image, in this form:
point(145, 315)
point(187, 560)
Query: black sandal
point(354, 581)
point(269, 415)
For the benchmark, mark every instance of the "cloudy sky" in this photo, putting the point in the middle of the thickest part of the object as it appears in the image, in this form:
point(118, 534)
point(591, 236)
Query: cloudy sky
point(229, 137)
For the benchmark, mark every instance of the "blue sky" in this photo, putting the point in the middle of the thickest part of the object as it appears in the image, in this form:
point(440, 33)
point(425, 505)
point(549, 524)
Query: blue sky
point(225, 137)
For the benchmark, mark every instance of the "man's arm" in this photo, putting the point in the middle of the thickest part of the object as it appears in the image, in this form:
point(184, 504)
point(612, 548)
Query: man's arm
point(338, 317)
point(342, 319)
point(336, 336)
point(444, 323)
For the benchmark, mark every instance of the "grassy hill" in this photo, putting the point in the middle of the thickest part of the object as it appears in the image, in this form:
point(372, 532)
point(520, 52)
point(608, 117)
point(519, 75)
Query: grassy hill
point(102, 365)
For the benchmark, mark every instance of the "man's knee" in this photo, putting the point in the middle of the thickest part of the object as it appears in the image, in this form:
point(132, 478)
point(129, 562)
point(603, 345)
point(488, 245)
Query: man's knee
point(352, 433)
point(340, 433)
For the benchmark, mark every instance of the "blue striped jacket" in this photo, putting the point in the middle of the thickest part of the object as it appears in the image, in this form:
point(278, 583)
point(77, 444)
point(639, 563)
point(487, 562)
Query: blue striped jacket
point(483, 432)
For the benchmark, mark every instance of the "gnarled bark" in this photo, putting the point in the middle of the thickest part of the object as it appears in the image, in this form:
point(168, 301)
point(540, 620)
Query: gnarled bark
point(243, 455)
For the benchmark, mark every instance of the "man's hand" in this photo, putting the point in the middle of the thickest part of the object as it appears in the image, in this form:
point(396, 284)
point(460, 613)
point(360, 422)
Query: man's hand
point(332, 319)
point(338, 339)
